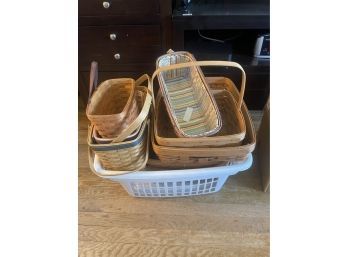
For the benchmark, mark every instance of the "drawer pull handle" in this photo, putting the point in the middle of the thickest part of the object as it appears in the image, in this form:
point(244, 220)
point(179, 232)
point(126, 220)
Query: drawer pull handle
point(117, 56)
point(106, 5)
point(112, 36)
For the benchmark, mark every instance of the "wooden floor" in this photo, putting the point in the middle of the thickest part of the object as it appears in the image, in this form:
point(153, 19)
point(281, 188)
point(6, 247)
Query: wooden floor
point(232, 222)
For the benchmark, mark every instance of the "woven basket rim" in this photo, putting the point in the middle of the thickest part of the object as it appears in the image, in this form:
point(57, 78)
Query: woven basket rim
point(122, 144)
point(96, 136)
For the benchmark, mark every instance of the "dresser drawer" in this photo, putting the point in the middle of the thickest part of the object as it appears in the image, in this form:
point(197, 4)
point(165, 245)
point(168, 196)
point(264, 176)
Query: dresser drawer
point(123, 35)
point(131, 46)
point(117, 7)
point(129, 58)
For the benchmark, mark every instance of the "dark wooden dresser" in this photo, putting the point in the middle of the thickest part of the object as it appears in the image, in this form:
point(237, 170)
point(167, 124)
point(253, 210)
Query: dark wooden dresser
point(124, 37)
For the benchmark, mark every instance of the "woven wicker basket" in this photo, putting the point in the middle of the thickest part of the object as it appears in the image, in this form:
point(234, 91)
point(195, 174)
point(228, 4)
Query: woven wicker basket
point(112, 106)
point(101, 140)
point(231, 133)
point(190, 105)
point(143, 99)
point(124, 157)
point(233, 128)
point(132, 154)
point(209, 156)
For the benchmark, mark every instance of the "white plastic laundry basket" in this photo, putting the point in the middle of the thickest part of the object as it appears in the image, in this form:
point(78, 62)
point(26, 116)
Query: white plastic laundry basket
point(174, 183)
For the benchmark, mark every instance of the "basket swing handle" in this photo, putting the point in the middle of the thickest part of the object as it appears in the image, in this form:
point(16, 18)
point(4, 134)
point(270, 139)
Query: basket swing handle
point(93, 78)
point(143, 113)
point(207, 63)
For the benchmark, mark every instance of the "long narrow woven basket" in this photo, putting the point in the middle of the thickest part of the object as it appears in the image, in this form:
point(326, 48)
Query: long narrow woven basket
point(233, 127)
point(112, 106)
point(190, 105)
point(209, 156)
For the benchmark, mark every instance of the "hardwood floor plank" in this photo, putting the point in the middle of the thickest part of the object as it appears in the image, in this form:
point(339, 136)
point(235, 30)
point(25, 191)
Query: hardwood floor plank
point(170, 236)
point(171, 207)
point(189, 222)
point(104, 249)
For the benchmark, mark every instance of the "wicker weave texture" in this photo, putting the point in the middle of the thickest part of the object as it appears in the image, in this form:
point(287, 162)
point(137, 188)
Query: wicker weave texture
point(126, 159)
point(113, 106)
point(231, 133)
point(209, 156)
point(140, 93)
point(125, 156)
point(185, 90)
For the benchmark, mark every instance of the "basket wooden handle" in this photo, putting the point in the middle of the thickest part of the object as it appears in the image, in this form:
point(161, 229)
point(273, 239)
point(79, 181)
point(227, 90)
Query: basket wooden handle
point(93, 78)
point(206, 63)
point(142, 115)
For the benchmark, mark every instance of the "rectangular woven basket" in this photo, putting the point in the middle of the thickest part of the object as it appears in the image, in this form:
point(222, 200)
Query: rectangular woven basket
point(112, 106)
point(126, 156)
point(143, 98)
point(209, 156)
point(232, 131)
point(191, 107)
point(131, 154)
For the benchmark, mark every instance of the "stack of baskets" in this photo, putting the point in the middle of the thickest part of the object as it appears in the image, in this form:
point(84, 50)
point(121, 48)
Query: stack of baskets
point(199, 121)
point(118, 111)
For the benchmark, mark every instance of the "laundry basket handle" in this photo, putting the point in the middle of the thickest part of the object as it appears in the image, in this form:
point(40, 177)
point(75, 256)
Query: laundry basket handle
point(207, 63)
point(143, 113)
point(93, 78)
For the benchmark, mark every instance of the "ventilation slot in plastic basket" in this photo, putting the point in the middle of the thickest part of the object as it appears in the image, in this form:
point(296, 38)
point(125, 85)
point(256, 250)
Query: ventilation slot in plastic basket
point(175, 188)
